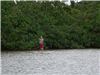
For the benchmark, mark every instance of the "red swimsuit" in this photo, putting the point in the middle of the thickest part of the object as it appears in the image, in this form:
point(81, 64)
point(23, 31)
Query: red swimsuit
point(41, 43)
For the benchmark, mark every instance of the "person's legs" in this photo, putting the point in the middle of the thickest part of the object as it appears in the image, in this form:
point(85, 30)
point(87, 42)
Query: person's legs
point(41, 48)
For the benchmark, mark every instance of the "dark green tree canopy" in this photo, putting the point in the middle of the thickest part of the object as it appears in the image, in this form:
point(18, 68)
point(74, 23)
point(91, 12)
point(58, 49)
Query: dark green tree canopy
point(62, 26)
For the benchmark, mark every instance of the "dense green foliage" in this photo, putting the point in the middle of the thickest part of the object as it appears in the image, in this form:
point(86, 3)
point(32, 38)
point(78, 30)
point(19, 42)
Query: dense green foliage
point(62, 26)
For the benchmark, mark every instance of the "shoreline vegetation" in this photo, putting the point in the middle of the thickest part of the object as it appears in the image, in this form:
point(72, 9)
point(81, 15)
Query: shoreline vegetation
point(63, 27)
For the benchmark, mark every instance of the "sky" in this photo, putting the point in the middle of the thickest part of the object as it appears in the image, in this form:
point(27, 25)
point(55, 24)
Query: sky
point(69, 3)
point(66, 1)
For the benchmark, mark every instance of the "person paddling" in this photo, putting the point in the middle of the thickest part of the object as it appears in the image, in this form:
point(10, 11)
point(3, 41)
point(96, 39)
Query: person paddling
point(41, 42)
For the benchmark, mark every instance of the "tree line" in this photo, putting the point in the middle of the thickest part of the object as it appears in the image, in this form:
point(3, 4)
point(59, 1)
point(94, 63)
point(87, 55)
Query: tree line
point(62, 26)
